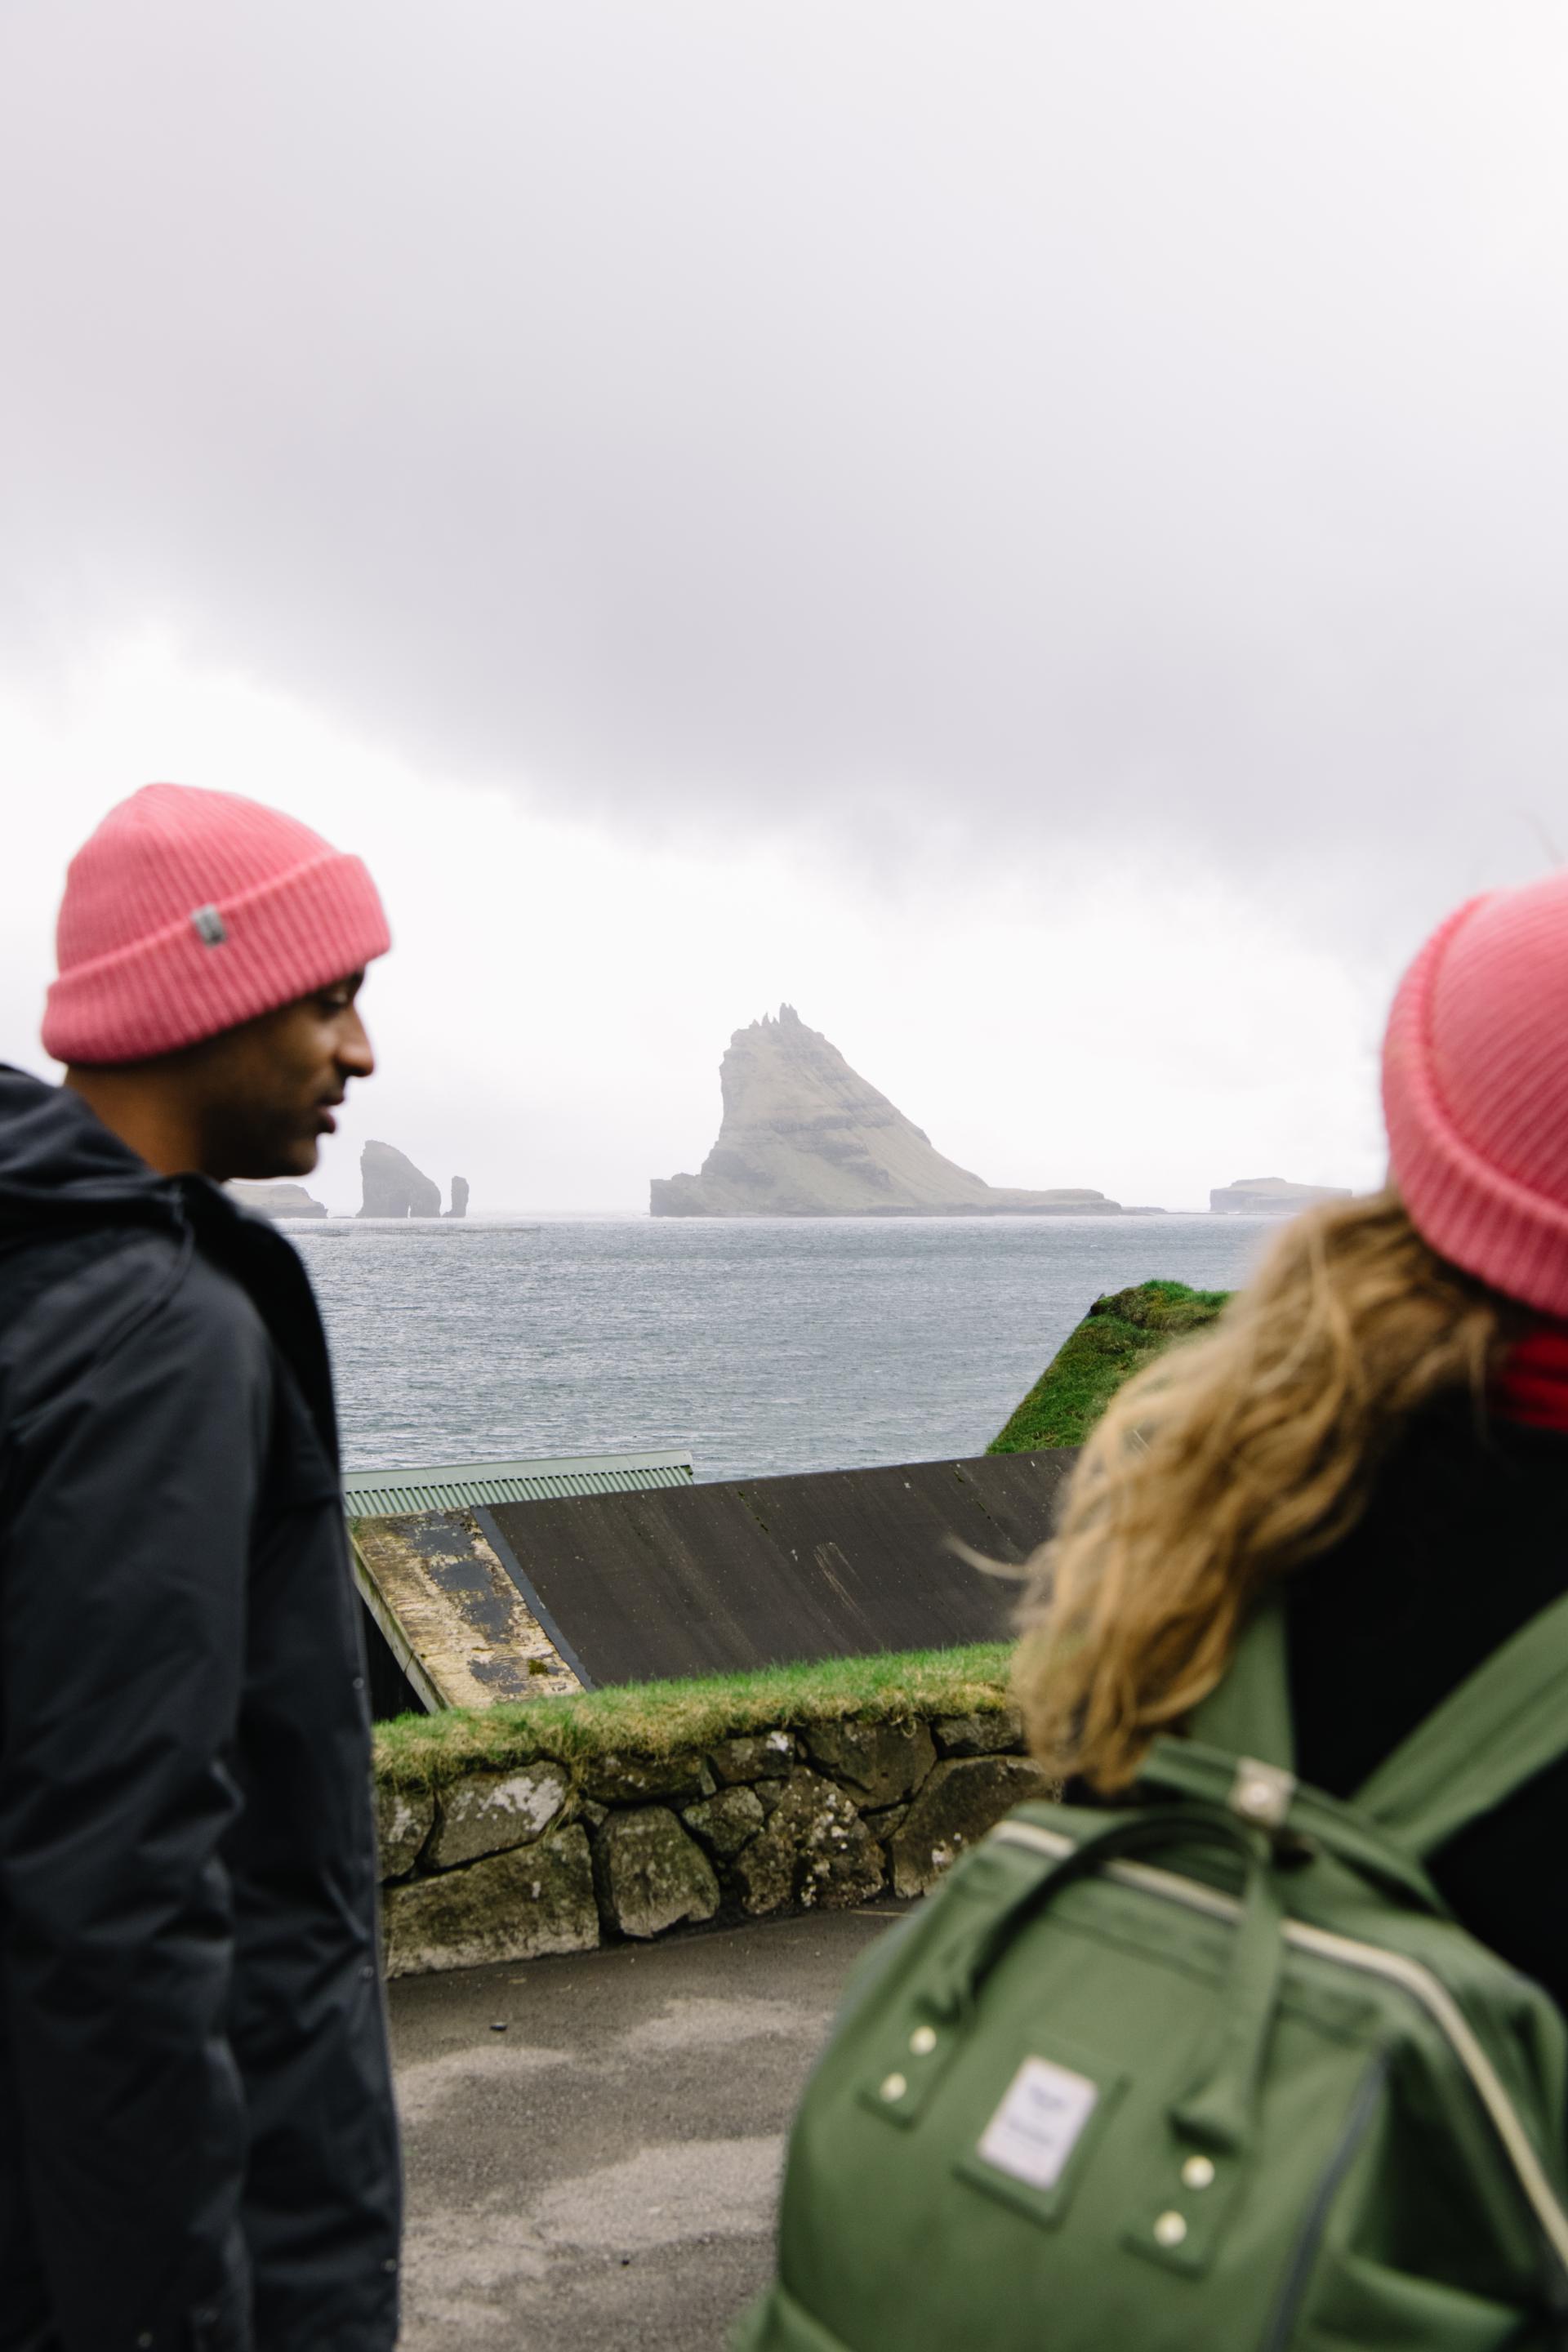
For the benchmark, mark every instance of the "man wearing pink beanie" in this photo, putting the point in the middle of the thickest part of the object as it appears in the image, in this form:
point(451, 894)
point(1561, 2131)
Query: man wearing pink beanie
point(197, 2145)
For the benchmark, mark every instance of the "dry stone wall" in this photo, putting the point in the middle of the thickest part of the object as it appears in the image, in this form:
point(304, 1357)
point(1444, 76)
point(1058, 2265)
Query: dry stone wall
point(512, 1865)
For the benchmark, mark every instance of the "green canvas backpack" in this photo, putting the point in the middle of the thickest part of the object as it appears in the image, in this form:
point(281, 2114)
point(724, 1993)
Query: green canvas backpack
point(1215, 2070)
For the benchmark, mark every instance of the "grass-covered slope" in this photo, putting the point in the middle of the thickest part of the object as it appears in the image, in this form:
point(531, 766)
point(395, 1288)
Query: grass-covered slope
point(420, 1751)
point(1117, 1338)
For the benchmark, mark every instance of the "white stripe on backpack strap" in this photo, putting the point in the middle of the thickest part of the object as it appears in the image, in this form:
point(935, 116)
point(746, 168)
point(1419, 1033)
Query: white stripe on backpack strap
point(1416, 1980)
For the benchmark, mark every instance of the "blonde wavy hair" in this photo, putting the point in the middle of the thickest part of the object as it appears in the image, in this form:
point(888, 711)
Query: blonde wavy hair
point(1233, 1457)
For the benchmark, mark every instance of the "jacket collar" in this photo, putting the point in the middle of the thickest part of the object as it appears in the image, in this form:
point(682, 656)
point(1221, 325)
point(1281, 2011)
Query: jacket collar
point(1533, 1386)
point(62, 1167)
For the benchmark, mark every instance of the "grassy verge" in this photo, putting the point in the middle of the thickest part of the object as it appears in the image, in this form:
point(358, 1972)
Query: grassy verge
point(1119, 1335)
point(420, 1752)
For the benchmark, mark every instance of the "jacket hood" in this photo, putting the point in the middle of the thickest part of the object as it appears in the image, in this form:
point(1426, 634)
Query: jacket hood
point(59, 1163)
point(59, 1166)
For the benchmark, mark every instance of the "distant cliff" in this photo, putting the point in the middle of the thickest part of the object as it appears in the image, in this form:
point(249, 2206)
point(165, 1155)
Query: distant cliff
point(803, 1136)
point(1271, 1196)
point(394, 1187)
point(277, 1200)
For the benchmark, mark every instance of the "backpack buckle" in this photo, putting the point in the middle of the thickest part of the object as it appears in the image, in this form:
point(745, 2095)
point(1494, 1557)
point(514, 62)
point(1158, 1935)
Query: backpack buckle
point(1261, 1793)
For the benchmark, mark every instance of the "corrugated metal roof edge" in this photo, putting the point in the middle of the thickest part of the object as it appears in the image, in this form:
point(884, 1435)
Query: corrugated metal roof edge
point(390, 1494)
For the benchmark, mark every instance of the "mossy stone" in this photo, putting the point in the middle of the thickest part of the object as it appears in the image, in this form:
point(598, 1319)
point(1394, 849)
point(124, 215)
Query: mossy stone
point(649, 1874)
point(488, 1813)
point(760, 1756)
point(877, 1763)
point(961, 1801)
point(403, 1819)
point(815, 1851)
point(623, 1779)
point(511, 1907)
point(726, 1821)
point(1001, 1734)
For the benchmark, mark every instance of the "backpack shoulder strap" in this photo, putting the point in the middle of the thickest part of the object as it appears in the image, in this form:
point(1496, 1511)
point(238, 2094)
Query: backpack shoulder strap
point(1248, 1713)
point(1506, 1722)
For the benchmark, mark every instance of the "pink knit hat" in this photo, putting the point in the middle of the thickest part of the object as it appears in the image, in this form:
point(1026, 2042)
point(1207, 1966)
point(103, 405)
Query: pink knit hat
point(1475, 1091)
point(189, 911)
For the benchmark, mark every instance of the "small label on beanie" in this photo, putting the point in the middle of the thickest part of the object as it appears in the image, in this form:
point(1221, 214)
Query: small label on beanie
point(1036, 2126)
point(208, 925)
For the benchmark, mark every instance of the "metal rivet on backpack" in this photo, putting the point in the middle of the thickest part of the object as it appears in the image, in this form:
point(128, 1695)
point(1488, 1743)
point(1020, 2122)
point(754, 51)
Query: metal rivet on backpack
point(1197, 2172)
point(923, 2040)
point(1170, 2229)
point(1262, 1792)
point(894, 2088)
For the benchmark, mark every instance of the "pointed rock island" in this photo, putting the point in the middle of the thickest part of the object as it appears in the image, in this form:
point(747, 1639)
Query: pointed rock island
point(803, 1136)
point(394, 1187)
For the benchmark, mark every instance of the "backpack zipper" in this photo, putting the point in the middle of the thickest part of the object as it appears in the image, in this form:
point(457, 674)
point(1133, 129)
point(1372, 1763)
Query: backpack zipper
point(1304, 2252)
point(1371, 1960)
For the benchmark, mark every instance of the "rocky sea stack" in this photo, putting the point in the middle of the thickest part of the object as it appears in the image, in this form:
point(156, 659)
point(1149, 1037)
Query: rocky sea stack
point(803, 1136)
point(394, 1187)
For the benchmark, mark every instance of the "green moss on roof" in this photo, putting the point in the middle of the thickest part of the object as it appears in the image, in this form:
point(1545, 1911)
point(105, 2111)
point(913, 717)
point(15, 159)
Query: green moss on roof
point(421, 1751)
point(1120, 1334)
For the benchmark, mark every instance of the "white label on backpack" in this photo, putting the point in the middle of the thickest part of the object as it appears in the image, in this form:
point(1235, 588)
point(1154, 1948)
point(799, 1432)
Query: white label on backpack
point(1037, 2125)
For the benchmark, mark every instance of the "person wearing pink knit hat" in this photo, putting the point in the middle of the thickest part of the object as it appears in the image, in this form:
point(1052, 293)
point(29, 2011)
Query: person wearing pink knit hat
point(1376, 1430)
point(1296, 1658)
point(197, 2141)
point(199, 919)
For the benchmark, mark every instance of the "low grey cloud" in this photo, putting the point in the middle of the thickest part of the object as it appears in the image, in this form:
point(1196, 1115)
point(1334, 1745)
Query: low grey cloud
point(979, 424)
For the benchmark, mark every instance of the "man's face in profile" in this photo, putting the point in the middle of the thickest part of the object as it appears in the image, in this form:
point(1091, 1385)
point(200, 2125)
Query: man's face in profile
point(264, 1093)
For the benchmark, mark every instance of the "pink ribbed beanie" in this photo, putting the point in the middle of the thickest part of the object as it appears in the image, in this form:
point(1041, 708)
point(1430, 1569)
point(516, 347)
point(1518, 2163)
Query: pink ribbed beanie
point(1475, 1091)
point(187, 912)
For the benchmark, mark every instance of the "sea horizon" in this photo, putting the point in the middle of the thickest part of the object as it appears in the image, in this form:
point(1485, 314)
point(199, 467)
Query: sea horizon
point(761, 1345)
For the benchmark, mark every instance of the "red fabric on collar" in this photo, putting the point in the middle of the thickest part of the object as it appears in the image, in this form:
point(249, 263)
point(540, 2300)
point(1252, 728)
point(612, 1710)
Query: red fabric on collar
point(1533, 1386)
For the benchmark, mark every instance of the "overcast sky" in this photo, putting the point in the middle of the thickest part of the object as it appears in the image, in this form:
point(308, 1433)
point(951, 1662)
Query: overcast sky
point(1037, 532)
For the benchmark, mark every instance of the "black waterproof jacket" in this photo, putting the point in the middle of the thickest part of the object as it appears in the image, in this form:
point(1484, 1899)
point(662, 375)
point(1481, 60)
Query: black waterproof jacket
point(1464, 1541)
point(197, 2143)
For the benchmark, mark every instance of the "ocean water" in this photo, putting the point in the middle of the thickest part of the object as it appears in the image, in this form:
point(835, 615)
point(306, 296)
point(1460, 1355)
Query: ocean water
point(763, 1346)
